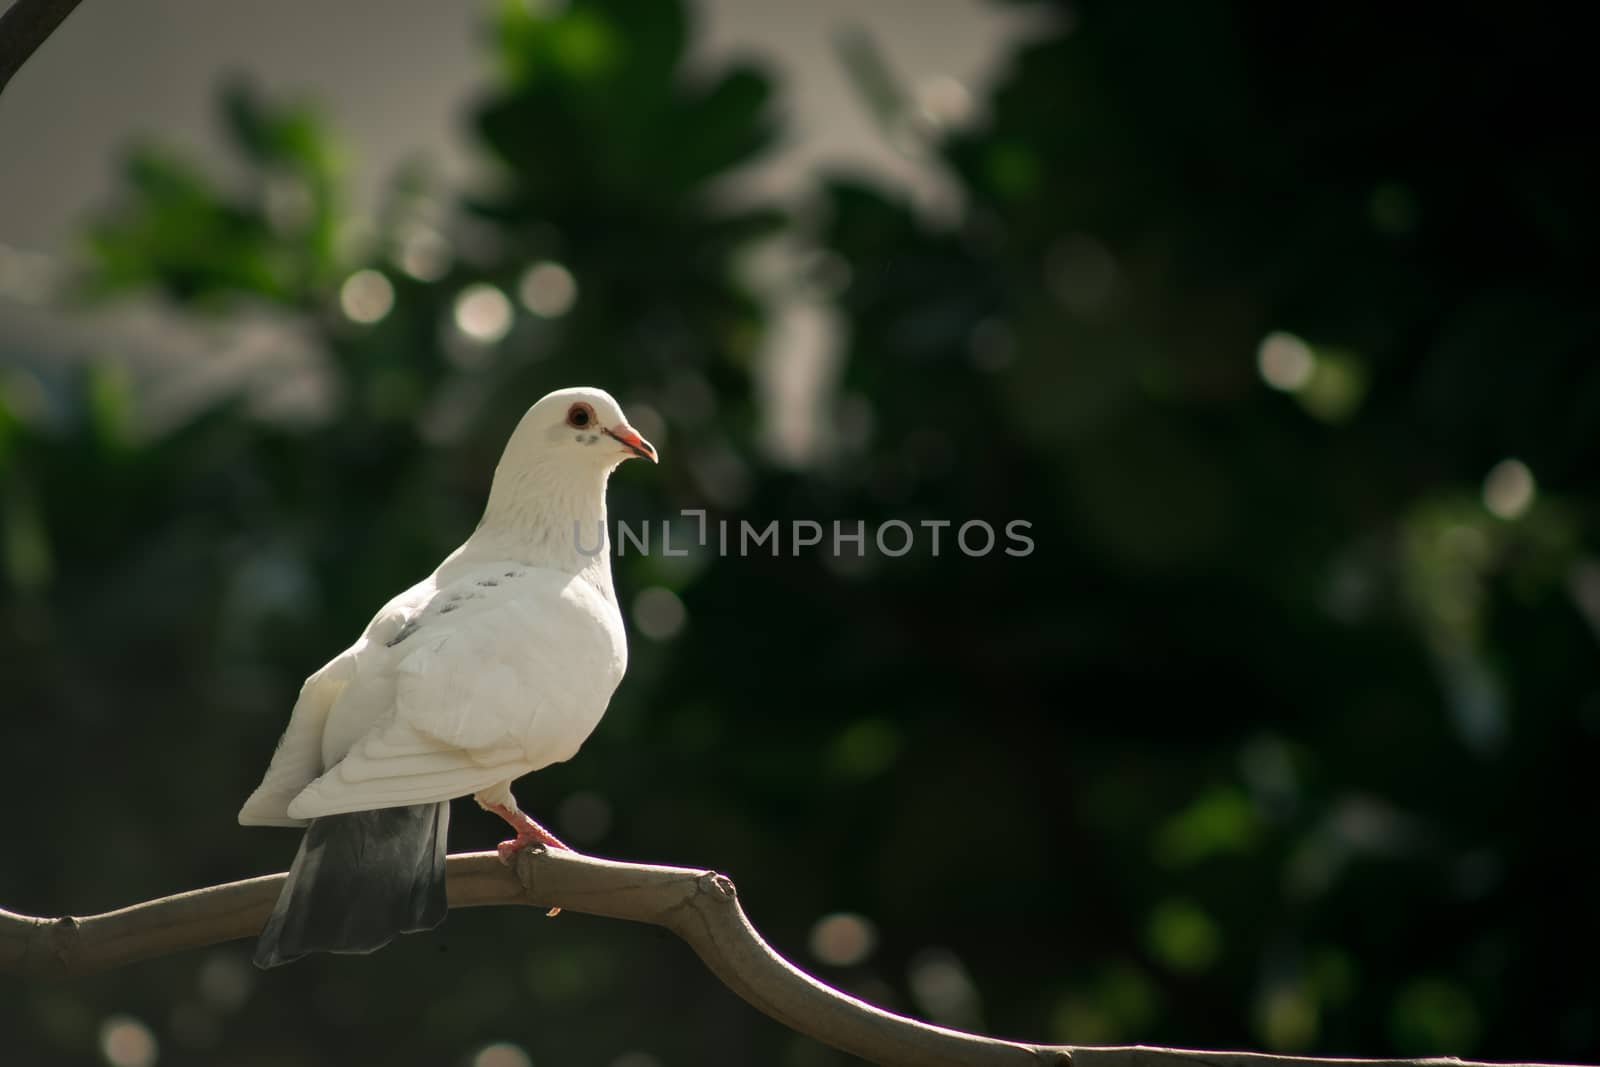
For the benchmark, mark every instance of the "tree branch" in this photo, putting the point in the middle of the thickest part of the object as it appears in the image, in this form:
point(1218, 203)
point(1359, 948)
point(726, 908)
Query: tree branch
point(701, 907)
point(24, 27)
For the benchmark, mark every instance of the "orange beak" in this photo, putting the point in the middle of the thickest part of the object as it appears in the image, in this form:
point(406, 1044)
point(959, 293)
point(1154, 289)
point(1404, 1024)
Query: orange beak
point(630, 439)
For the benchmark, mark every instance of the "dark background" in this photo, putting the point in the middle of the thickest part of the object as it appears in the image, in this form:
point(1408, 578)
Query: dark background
point(1281, 738)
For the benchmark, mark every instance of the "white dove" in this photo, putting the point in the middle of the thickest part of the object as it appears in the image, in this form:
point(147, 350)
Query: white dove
point(498, 663)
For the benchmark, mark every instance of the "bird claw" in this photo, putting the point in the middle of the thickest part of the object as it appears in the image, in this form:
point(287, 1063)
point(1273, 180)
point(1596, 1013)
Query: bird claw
point(530, 836)
point(508, 850)
point(528, 842)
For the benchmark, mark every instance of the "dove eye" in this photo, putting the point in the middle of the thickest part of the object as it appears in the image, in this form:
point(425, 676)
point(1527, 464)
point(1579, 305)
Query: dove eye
point(579, 416)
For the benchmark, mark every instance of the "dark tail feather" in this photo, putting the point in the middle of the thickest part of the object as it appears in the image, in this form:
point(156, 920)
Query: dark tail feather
point(358, 881)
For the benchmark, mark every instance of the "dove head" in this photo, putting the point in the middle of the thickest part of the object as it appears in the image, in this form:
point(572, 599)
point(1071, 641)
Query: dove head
point(548, 495)
point(581, 429)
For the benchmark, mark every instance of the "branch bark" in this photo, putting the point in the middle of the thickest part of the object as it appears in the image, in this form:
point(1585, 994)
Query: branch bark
point(701, 907)
point(24, 27)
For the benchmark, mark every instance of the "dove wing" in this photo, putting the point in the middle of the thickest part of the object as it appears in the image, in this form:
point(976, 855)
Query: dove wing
point(491, 681)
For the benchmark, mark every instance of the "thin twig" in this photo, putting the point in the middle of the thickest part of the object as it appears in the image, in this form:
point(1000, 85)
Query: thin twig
point(24, 27)
point(699, 906)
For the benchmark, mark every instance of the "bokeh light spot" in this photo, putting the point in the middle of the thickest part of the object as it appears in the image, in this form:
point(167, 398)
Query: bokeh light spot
point(548, 290)
point(1183, 936)
point(366, 296)
point(1337, 385)
point(127, 1042)
point(1287, 1017)
point(1285, 362)
point(585, 816)
point(843, 939)
point(501, 1054)
point(942, 987)
point(483, 313)
point(1509, 489)
point(636, 1059)
point(658, 613)
point(423, 253)
point(226, 981)
point(944, 103)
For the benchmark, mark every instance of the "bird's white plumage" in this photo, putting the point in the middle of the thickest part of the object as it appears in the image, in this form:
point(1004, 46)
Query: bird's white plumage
point(499, 663)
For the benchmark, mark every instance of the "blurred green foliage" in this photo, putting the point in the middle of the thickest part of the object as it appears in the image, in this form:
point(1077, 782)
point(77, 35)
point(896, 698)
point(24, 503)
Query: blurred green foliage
point(1283, 736)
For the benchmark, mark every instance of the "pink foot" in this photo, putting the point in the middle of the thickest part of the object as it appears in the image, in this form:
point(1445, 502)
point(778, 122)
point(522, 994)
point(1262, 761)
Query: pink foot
point(529, 835)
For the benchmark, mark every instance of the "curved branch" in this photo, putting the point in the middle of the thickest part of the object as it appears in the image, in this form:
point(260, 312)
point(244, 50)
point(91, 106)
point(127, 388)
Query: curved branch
point(699, 906)
point(24, 27)
point(702, 907)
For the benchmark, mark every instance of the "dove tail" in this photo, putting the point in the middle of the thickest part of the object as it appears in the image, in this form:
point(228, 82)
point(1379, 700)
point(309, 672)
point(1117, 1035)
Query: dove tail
point(359, 880)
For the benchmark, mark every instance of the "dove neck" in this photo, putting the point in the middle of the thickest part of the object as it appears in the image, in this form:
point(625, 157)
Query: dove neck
point(546, 515)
